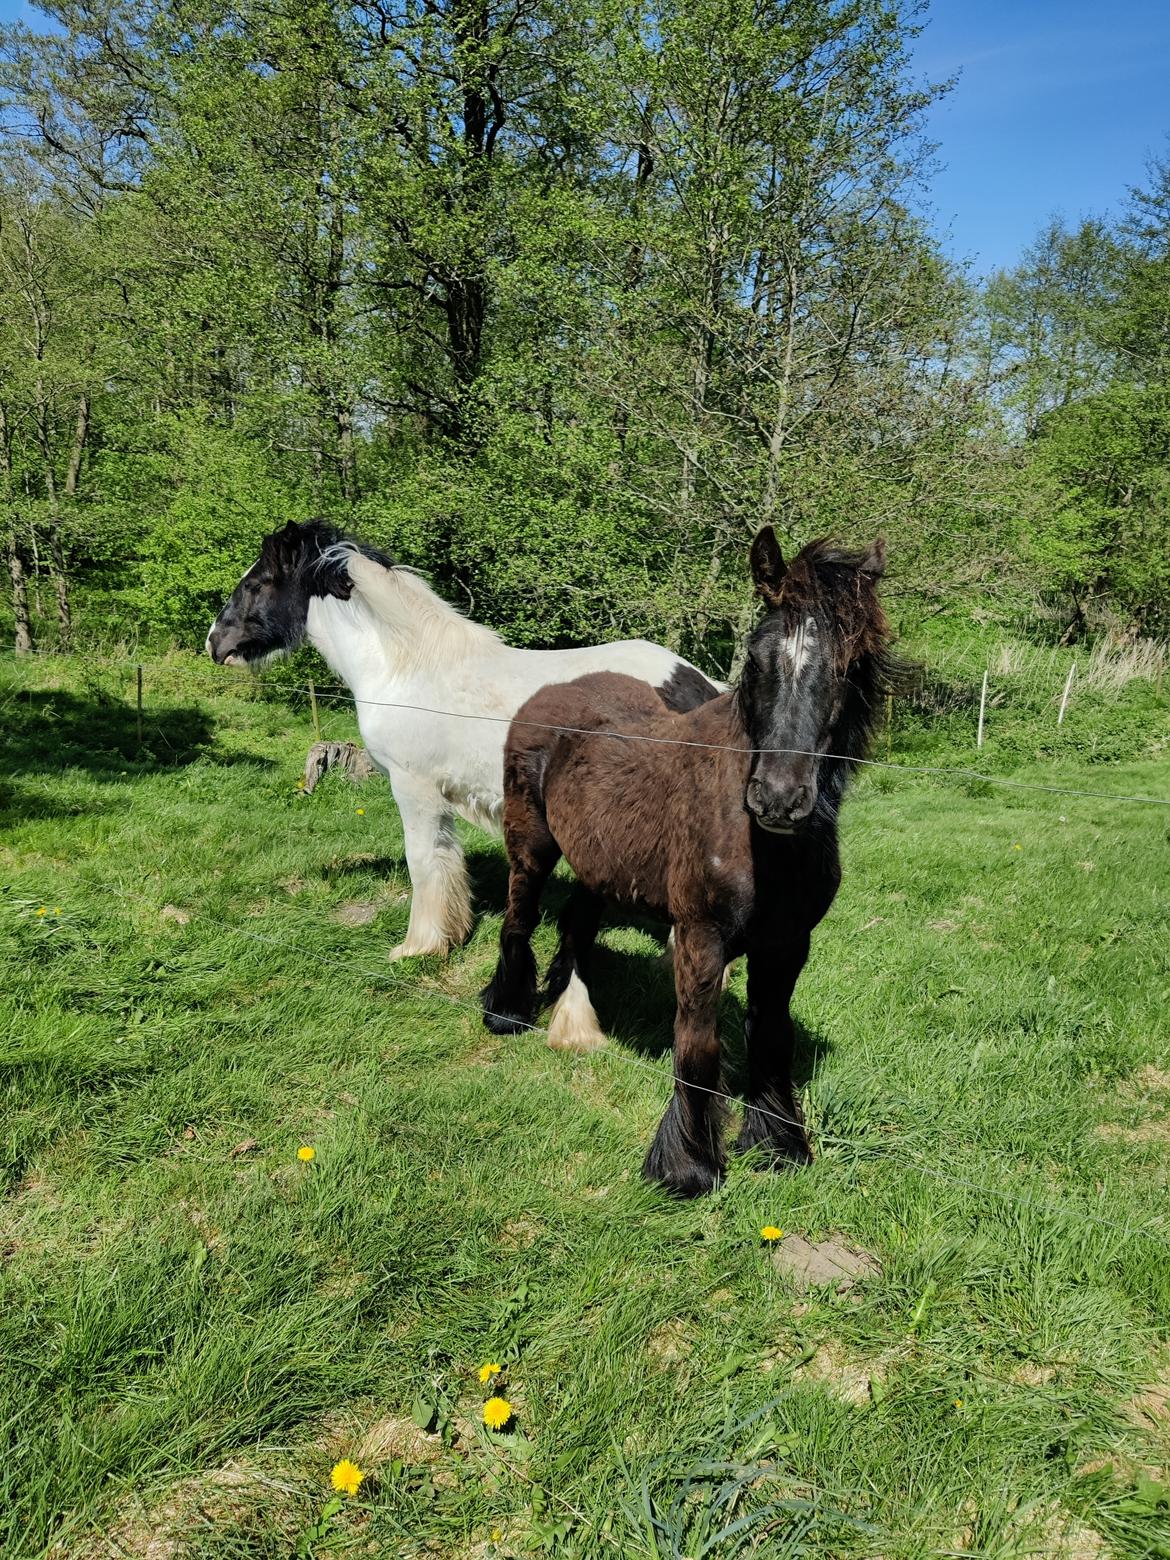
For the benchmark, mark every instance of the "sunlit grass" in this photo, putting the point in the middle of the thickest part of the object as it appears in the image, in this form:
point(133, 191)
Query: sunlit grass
point(197, 1325)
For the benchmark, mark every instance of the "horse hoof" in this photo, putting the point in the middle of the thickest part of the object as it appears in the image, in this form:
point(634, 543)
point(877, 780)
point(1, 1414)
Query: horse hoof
point(686, 1180)
point(505, 1024)
point(573, 1025)
point(790, 1153)
point(419, 950)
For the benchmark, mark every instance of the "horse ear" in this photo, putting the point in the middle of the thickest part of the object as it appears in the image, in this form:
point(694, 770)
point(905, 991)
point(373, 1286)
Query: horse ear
point(768, 565)
point(287, 546)
point(873, 559)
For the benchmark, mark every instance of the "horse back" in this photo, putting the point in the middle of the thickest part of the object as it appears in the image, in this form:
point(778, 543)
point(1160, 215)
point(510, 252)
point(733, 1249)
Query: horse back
point(598, 764)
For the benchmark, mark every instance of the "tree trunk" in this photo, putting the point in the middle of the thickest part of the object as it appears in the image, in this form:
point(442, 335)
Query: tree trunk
point(779, 428)
point(483, 117)
point(22, 627)
point(77, 449)
point(56, 542)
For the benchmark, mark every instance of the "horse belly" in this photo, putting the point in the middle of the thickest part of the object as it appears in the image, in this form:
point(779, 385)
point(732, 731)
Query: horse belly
point(607, 844)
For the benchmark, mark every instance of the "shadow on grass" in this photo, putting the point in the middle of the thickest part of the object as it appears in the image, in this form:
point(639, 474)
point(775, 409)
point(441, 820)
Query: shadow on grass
point(51, 732)
point(635, 1000)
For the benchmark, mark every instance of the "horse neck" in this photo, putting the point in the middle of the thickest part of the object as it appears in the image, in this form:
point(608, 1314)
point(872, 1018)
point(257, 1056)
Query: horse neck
point(719, 724)
point(392, 626)
point(346, 635)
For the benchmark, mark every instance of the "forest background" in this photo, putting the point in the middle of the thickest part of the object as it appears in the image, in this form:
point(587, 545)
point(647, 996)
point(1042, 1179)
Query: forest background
point(559, 302)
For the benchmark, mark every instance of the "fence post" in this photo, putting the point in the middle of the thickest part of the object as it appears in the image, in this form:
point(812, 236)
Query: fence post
point(982, 708)
point(316, 715)
point(140, 706)
point(1072, 671)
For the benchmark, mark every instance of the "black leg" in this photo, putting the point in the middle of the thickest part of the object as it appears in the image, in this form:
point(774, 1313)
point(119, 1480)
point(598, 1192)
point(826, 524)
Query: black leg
point(509, 998)
point(578, 925)
point(773, 1120)
point(572, 1024)
point(687, 1152)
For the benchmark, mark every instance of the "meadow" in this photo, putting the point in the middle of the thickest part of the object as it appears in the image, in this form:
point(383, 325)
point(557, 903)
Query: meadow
point(196, 1324)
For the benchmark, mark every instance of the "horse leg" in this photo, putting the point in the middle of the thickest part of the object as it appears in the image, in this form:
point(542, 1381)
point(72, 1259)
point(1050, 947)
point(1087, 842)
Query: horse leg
point(440, 907)
point(687, 1152)
point(573, 1024)
point(773, 1118)
point(667, 957)
point(509, 998)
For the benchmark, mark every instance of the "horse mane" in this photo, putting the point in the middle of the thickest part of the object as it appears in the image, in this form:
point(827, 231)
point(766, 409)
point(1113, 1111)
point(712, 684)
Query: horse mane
point(835, 584)
point(404, 606)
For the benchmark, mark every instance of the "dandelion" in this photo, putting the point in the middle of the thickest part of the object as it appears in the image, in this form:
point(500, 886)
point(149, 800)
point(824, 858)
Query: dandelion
point(361, 812)
point(496, 1535)
point(306, 1153)
point(346, 1477)
point(958, 1402)
point(771, 1232)
point(1017, 846)
point(44, 910)
point(56, 909)
point(496, 1413)
point(486, 1372)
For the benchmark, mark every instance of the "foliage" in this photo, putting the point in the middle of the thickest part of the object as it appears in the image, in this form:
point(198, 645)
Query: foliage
point(563, 299)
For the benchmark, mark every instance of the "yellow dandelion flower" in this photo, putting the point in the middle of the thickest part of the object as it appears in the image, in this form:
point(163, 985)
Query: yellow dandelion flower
point(346, 1477)
point(486, 1372)
point(361, 812)
point(771, 1232)
point(305, 1153)
point(44, 910)
point(958, 1402)
point(496, 1413)
point(1017, 847)
point(56, 909)
point(496, 1535)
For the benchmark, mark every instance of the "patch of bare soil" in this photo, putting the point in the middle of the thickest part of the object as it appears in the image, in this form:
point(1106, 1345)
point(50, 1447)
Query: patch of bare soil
point(670, 1343)
point(809, 1263)
point(174, 914)
point(355, 912)
point(235, 1495)
point(847, 1376)
point(1149, 1080)
point(1149, 1408)
point(1156, 1130)
point(1030, 1373)
point(1067, 1538)
point(519, 1234)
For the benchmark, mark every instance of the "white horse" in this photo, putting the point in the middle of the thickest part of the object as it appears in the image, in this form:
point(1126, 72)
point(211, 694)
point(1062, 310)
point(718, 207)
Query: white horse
point(434, 695)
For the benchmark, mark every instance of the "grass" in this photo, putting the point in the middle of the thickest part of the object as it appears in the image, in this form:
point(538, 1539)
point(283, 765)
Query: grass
point(194, 1326)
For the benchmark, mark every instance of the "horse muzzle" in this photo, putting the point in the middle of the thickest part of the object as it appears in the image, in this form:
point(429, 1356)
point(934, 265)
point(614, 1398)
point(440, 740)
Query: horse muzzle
point(224, 648)
point(780, 812)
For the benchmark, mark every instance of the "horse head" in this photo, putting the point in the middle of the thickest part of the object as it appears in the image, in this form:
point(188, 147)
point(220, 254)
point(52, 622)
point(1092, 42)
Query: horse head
point(815, 665)
point(267, 613)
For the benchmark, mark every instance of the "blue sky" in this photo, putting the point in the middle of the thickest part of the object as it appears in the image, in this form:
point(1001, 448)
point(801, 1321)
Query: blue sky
point(1059, 104)
point(1057, 109)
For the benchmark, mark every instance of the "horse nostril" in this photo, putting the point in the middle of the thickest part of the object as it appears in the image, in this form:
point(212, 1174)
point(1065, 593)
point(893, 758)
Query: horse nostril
point(799, 805)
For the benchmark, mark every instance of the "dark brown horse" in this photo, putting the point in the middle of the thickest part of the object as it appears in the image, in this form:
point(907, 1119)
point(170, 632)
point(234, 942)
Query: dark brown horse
point(725, 822)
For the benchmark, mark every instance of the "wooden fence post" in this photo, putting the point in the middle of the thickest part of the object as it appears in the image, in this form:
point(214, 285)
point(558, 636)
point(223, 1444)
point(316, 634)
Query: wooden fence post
point(982, 708)
point(140, 706)
point(316, 714)
point(1072, 672)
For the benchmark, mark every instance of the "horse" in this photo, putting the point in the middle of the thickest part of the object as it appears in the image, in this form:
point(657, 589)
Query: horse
point(434, 694)
point(722, 819)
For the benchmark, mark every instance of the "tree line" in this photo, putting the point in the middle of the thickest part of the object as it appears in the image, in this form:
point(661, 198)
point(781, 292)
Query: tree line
point(560, 302)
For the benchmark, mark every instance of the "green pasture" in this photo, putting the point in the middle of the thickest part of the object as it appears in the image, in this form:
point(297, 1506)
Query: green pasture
point(196, 1325)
